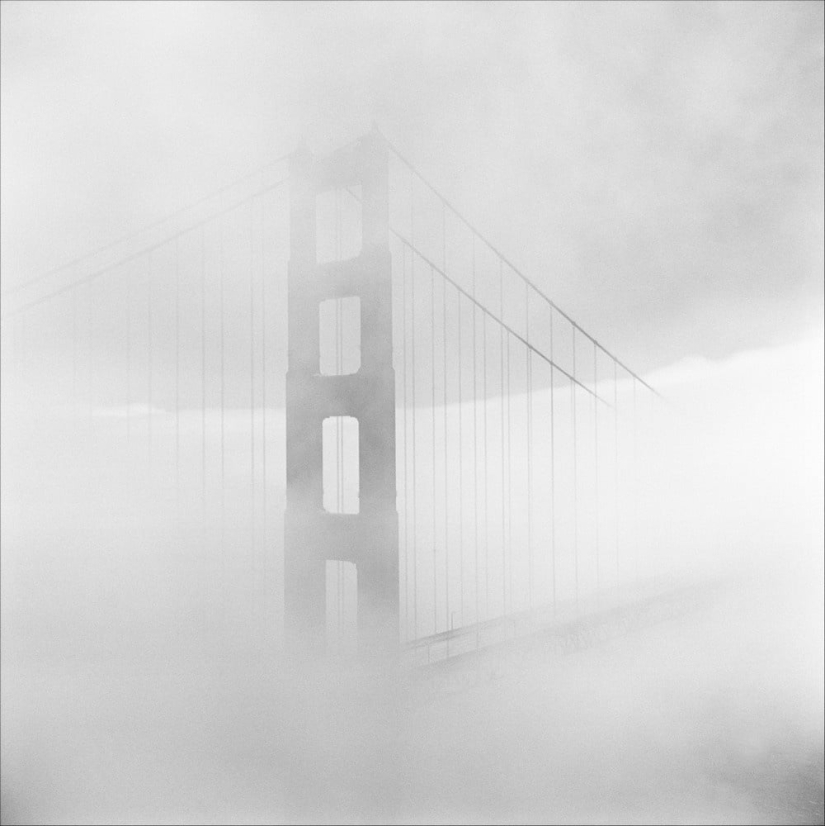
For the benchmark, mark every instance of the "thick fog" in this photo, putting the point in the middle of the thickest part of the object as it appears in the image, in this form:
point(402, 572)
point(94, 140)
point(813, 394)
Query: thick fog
point(141, 686)
point(657, 170)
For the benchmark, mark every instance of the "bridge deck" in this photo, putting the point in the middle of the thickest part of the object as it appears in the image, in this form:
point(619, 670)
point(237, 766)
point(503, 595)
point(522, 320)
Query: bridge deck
point(566, 626)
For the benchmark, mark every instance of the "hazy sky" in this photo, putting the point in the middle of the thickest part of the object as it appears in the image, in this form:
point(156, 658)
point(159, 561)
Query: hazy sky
point(656, 167)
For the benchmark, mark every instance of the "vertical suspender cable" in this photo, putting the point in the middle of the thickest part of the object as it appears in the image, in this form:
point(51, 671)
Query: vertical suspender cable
point(339, 439)
point(635, 490)
point(89, 371)
point(74, 354)
point(435, 523)
point(575, 477)
point(486, 473)
point(177, 383)
point(90, 357)
point(129, 364)
point(263, 413)
point(149, 363)
point(221, 300)
point(552, 463)
point(339, 459)
point(129, 462)
point(448, 621)
point(616, 461)
point(596, 457)
point(529, 367)
point(509, 483)
point(404, 430)
point(415, 480)
point(460, 466)
point(252, 394)
point(475, 449)
point(203, 385)
point(503, 514)
point(339, 369)
point(414, 474)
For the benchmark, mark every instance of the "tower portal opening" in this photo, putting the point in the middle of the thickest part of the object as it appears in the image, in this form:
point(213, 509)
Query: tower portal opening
point(341, 465)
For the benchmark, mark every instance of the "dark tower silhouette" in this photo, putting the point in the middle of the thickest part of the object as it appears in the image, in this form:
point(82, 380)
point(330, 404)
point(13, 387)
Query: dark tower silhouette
point(369, 539)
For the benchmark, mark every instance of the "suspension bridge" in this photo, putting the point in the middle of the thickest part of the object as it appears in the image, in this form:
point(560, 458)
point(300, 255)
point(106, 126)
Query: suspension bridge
point(346, 399)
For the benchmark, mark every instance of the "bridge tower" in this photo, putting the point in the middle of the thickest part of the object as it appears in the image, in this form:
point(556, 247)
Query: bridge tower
point(368, 538)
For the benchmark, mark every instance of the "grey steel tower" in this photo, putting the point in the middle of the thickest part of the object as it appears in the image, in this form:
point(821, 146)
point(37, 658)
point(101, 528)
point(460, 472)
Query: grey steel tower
point(369, 538)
